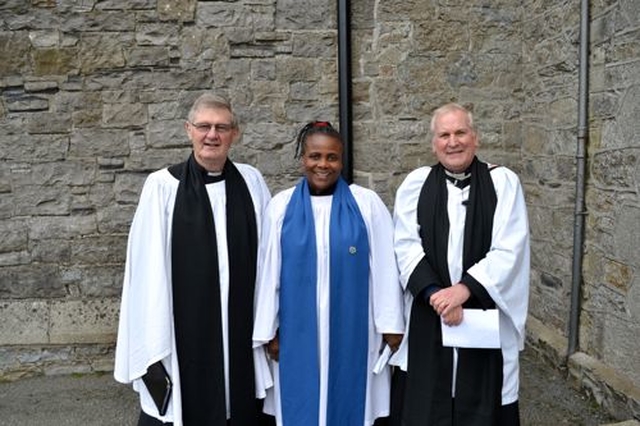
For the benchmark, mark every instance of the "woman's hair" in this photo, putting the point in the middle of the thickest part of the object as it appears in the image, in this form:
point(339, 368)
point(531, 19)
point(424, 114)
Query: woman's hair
point(312, 128)
point(211, 101)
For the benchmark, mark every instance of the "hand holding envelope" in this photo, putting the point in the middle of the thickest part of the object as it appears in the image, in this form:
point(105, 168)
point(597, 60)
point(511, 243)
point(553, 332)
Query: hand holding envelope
point(479, 329)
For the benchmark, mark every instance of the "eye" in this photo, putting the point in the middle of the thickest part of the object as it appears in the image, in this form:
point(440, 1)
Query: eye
point(203, 128)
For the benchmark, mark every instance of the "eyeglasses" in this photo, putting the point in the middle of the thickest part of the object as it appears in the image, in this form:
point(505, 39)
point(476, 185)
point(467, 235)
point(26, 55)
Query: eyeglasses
point(205, 128)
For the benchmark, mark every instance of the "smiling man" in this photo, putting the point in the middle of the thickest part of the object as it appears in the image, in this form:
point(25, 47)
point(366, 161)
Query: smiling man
point(461, 242)
point(187, 297)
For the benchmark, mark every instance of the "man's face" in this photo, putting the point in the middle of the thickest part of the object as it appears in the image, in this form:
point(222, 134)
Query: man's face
point(454, 142)
point(211, 133)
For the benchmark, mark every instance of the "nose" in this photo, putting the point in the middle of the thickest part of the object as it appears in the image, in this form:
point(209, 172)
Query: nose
point(322, 163)
point(212, 131)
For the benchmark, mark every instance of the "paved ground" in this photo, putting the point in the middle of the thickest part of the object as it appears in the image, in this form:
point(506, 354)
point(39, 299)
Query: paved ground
point(546, 400)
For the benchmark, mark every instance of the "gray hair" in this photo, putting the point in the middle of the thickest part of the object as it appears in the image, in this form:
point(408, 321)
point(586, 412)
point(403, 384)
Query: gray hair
point(211, 101)
point(451, 107)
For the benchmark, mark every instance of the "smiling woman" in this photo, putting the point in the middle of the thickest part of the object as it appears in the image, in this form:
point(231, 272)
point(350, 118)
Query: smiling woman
point(320, 151)
point(328, 272)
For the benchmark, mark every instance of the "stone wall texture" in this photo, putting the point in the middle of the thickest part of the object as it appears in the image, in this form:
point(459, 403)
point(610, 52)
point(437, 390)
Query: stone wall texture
point(93, 94)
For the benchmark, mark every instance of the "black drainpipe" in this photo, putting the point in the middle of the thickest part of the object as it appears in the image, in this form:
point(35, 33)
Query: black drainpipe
point(344, 83)
point(578, 229)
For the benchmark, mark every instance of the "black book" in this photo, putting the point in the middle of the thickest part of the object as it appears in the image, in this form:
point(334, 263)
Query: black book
point(159, 385)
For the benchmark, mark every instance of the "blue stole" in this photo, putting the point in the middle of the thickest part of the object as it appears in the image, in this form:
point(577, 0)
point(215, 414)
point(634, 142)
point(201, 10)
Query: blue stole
point(349, 305)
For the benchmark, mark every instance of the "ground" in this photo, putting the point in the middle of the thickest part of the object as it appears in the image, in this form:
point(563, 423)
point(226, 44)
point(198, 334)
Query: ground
point(546, 399)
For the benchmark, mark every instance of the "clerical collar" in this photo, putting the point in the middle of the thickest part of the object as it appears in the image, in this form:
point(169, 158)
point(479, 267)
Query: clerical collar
point(459, 180)
point(326, 191)
point(213, 177)
point(210, 177)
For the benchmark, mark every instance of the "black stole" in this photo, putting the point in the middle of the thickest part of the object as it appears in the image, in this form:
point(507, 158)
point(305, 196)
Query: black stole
point(479, 377)
point(196, 298)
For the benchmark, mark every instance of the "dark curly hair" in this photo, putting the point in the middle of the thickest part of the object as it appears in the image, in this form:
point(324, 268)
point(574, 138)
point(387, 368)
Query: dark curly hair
point(312, 128)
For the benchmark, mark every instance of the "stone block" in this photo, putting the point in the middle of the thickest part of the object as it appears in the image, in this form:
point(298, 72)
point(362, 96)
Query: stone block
point(296, 69)
point(176, 10)
point(612, 390)
point(99, 250)
point(128, 5)
point(99, 143)
point(99, 21)
point(48, 123)
point(14, 52)
point(616, 168)
point(153, 159)
point(315, 44)
point(38, 200)
point(51, 250)
point(43, 39)
point(102, 281)
point(14, 235)
point(14, 258)
point(157, 34)
point(128, 186)
point(83, 321)
point(124, 115)
point(307, 14)
point(24, 322)
point(35, 281)
point(61, 227)
point(99, 52)
point(222, 14)
point(407, 10)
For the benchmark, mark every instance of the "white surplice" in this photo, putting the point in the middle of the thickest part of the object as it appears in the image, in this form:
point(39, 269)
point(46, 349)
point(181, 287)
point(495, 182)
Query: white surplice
point(503, 272)
point(385, 294)
point(146, 327)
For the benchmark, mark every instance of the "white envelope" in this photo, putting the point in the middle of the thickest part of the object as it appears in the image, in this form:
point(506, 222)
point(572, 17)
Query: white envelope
point(383, 360)
point(479, 329)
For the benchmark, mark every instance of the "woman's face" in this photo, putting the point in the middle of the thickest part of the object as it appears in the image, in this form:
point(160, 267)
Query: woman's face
point(322, 162)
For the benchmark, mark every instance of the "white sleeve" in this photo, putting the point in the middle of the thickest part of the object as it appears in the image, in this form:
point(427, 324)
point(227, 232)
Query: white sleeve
point(504, 271)
point(407, 242)
point(145, 324)
point(386, 297)
point(267, 302)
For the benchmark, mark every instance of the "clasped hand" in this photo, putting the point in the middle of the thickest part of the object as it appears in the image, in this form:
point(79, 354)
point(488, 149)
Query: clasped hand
point(448, 303)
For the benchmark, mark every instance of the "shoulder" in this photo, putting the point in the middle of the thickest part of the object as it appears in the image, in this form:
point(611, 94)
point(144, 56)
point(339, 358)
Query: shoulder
point(249, 172)
point(279, 202)
point(503, 176)
point(413, 182)
point(361, 191)
point(282, 197)
point(364, 195)
point(417, 176)
point(370, 204)
point(161, 178)
point(499, 173)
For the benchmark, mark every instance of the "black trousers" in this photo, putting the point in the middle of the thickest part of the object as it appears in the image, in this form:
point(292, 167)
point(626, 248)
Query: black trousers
point(509, 414)
point(147, 420)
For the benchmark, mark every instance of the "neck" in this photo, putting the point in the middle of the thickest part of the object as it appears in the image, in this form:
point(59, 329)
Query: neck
point(212, 166)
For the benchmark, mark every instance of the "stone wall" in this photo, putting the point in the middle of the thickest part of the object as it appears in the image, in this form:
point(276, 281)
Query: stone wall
point(93, 94)
point(610, 321)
